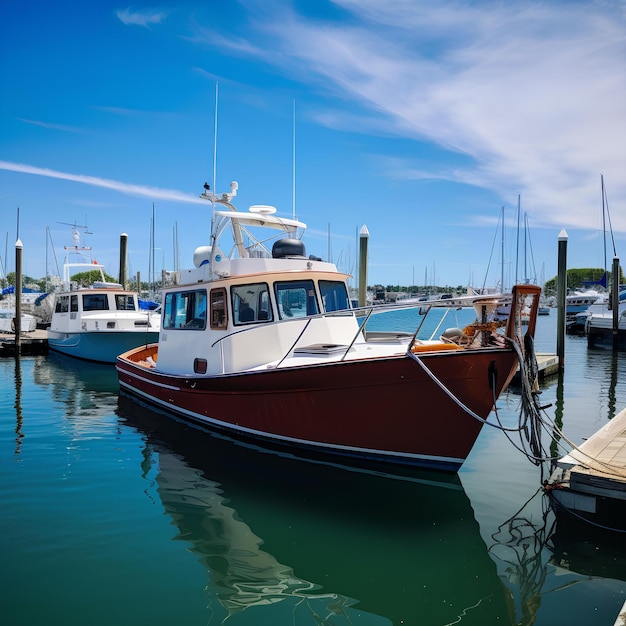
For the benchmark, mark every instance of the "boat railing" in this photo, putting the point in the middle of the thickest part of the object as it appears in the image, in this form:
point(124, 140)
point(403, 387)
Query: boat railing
point(340, 350)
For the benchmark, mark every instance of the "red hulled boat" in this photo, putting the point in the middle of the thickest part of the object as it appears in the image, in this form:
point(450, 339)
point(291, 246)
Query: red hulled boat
point(264, 345)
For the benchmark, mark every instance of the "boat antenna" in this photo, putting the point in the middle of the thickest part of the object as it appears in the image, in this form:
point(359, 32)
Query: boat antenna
point(79, 244)
point(293, 173)
point(214, 155)
point(152, 272)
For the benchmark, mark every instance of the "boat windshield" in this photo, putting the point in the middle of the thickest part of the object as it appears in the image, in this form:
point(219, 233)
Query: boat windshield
point(296, 298)
point(251, 303)
point(124, 302)
point(185, 310)
point(334, 295)
point(95, 302)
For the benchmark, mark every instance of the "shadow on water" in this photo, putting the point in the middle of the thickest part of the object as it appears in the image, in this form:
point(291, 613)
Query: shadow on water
point(83, 389)
point(520, 544)
point(320, 538)
point(92, 378)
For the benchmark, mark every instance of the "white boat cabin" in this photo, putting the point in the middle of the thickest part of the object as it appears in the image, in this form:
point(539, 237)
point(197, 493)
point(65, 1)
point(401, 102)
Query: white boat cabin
point(106, 306)
point(254, 316)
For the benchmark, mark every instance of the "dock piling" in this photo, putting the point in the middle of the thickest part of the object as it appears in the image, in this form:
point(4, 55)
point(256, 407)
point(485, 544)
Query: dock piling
point(363, 241)
point(17, 321)
point(561, 292)
point(615, 300)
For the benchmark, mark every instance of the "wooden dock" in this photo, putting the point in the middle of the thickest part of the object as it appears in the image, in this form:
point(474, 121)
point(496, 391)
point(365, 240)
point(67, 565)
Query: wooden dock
point(31, 343)
point(590, 482)
point(547, 365)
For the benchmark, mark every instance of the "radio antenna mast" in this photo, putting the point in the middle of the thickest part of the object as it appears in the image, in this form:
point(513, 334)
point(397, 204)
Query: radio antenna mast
point(293, 173)
point(214, 154)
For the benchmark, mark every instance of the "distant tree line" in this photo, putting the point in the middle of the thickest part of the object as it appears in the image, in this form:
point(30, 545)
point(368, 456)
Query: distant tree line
point(577, 277)
point(83, 279)
point(575, 280)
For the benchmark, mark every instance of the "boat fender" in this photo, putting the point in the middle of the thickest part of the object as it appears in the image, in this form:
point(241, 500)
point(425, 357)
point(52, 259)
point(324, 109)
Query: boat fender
point(452, 333)
point(434, 347)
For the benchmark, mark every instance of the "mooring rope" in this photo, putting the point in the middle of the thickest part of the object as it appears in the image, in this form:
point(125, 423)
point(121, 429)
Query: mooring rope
point(532, 418)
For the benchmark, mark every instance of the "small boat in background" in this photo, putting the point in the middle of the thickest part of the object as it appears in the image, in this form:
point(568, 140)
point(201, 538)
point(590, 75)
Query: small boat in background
point(28, 322)
point(580, 301)
point(96, 322)
point(544, 308)
point(28, 319)
point(264, 345)
point(599, 324)
point(100, 322)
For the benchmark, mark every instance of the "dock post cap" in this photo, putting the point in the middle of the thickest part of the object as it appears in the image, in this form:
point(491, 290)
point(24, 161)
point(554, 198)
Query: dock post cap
point(563, 235)
point(18, 244)
point(364, 232)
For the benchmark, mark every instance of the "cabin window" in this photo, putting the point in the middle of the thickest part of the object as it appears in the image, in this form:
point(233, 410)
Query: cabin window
point(296, 298)
point(251, 303)
point(95, 302)
point(185, 310)
point(74, 304)
point(124, 302)
point(62, 304)
point(334, 295)
point(219, 318)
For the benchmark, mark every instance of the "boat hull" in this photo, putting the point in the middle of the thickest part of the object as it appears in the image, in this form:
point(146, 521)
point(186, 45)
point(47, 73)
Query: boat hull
point(603, 337)
point(372, 409)
point(101, 346)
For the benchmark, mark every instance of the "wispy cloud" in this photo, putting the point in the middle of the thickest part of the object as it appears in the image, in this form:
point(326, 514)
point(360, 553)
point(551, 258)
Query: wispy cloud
point(153, 193)
point(120, 110)
point(533, 93)
point(62, 127)
point(144, 18)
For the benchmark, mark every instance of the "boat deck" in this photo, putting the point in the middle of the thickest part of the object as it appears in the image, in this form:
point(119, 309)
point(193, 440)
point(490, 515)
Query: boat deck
point(591, 480)
point(600, 462)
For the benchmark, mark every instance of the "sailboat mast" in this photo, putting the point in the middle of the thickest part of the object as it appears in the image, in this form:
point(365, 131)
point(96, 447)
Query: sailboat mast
point(603, 218)
point(519, 206)
point(502, 253)
point(526, 280)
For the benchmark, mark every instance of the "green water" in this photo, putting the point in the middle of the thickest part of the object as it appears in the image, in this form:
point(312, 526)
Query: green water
point(115, 514)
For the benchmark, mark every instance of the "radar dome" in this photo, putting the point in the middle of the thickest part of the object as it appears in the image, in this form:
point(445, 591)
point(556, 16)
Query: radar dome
point(202, 256)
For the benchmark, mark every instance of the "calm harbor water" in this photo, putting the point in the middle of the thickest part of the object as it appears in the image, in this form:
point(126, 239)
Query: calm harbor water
point(115, 514)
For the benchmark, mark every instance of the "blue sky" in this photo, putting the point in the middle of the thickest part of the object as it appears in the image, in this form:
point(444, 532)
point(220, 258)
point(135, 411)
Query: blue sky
point(419, 120)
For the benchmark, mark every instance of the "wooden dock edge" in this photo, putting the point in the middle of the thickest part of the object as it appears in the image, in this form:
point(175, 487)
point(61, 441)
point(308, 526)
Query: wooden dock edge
point(547, 365)
point(590, 481)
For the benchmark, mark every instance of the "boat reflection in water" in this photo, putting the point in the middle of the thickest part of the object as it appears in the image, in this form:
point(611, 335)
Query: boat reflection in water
point(280, 536)
point(86, 390)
